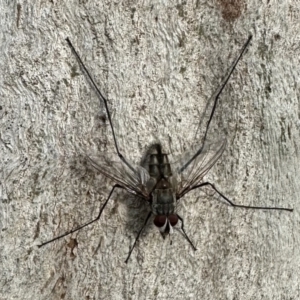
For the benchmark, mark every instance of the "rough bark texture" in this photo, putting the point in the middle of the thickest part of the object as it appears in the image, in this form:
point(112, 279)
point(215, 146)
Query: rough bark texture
point(158, 63)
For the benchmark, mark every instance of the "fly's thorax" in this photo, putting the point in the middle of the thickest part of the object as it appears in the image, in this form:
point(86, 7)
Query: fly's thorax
point(163, 206)
point(163, 198)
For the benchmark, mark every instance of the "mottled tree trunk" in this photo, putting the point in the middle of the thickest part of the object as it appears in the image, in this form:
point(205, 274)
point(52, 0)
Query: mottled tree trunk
point(158, 63)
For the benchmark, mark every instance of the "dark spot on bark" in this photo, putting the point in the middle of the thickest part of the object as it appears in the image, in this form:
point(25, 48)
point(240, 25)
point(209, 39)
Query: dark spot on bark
point(72, 244)
point(277, 37)
point(103, 118)
point(231, 9)
point(18, 14)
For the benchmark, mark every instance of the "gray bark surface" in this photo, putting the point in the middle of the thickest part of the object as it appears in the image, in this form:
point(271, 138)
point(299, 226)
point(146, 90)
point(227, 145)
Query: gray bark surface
point(158, 63)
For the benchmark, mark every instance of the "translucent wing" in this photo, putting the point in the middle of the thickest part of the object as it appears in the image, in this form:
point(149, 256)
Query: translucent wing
point(194, 164)
point(136, 179)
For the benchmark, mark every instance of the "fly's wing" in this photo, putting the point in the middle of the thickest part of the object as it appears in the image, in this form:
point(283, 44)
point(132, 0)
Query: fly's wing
point(135, 179)
point(194, 164)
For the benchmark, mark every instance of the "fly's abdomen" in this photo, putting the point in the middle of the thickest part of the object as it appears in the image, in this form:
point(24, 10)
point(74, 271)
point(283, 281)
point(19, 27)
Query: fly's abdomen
point(159, 166)
point(163, 196)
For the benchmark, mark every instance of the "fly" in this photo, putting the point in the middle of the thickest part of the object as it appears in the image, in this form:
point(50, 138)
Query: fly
point(160, 183)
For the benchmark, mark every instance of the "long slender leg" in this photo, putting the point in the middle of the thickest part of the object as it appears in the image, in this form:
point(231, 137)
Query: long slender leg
point(182, 225)
point(236, 205)
point(82, 226)
point(218, 93)
point(101, 97)
point(224, 82)
point(145, 223)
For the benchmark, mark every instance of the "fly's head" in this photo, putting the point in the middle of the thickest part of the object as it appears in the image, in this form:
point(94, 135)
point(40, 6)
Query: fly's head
point(165, 223)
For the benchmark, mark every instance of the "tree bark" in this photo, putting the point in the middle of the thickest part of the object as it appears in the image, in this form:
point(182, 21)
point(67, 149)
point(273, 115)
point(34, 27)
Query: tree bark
point(157, 63)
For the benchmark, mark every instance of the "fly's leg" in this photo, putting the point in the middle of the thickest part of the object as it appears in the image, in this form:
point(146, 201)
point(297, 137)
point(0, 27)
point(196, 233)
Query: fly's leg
point(101, 97)
point(82, 226)
point(185, 235)
point(145, 223)
point(218, 93)
point(224, 82)
point(236, 205)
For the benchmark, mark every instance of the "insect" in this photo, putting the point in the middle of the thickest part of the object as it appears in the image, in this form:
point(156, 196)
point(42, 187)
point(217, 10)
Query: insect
point(162, 184)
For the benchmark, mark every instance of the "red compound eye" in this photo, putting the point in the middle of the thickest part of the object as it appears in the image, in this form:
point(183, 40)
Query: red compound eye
point(160, 220)
point(173, 219)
